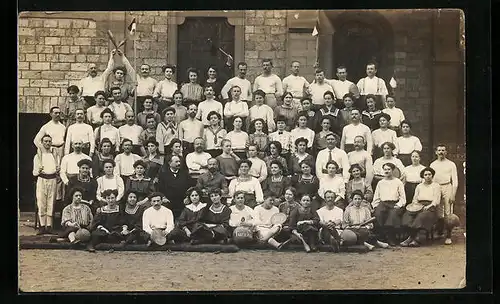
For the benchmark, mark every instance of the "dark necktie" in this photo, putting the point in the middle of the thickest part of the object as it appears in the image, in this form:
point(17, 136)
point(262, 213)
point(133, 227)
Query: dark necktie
point(330, 156)
point(280, 133)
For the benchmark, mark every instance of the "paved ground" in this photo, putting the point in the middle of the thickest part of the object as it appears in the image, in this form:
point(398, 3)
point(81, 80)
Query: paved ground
point(434, 266)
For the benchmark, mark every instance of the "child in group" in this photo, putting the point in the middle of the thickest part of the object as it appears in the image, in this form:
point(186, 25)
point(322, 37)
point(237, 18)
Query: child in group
point(287, 110)
point(238, 138)
point(214, 134)
point(180, 110)
point(258, 134)
point(396, 114)
point(262, 111)
point(234, 108)
point(282, 136)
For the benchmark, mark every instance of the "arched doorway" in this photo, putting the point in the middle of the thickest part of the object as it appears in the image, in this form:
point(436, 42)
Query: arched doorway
point(361, 37)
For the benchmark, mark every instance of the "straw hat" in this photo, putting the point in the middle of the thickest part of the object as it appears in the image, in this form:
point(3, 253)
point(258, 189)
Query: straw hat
point(414, 207)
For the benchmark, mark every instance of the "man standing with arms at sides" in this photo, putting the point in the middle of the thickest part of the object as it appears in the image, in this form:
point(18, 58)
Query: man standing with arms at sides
point(45, 168)
point(295, 84)
point(342, 86)
point(318, 88)
point(145, 86)
point(132, 131)
point(80, 131)
point(240, 81)
point(355, 128)
point(447, 177)
point(269, 83)
point(332, 153)
point(190, 129)
point(56, 130)
point(93, 83)
point(371, 84)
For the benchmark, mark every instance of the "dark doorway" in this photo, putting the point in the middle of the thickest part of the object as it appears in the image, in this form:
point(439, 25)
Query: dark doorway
point(361, 37)
point(29, 125)
point(193, 49)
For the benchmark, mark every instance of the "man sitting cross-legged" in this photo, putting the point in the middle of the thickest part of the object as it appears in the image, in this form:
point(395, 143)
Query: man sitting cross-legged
point(157, 217)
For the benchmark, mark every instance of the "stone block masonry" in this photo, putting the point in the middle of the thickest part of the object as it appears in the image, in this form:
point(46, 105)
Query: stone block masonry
point(53, 54)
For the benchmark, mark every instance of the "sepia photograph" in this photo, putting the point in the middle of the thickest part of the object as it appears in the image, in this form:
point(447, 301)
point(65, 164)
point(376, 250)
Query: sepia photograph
point(241, 150)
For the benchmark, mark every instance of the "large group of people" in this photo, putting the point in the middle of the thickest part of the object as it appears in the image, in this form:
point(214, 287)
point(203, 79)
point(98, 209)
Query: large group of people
point(201, 163)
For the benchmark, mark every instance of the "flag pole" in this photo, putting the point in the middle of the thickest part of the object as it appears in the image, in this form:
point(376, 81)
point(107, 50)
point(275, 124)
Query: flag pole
point(136, 78)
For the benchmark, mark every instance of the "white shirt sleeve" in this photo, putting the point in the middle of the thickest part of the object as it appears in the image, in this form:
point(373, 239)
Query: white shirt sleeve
point(170, 221)
point(259, 195)
point(64, 167)
point(146, 223)
point(121, 188)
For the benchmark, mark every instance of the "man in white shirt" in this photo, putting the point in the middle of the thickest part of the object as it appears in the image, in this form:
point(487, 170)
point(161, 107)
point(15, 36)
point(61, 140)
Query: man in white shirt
point(295, 84)
point(209, 105)
point(69, 163)
point(318, 88)
point(107, 130)
point(240, 81)
point(157, 217)
point(93, 83)
point(133, 132)
point(118, 107)
point(332, 153)
point(342, 86)
point(145, 86)
point(80, 131)
point(355, 128)
point(190, 129)
point(371, 84)
point(197, 161)
point(125, 161)
point(269, 83)
point(45, 169)
point(57, 131)
point(447, 177)
point(262, 221)
point(330, 219)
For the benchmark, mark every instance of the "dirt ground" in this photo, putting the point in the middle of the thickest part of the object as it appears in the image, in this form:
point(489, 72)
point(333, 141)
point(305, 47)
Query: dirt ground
point(434, 266)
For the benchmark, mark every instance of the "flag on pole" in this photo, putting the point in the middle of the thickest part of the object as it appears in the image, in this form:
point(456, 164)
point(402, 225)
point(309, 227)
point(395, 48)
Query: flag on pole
point(315, 30)
point(393, 83)
point(132, 27)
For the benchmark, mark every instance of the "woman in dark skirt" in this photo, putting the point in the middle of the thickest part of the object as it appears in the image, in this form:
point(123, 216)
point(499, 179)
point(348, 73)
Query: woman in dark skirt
point(306, 183)
point(299, 156)
point(214, 223)
point(132, 220)
point(275, 183)
point(428, 196)
point(304, 222)
point(140, 184)
point(105, 153)
point(289, 203)
point(412, 177)
point(153, 160)
point(189, 220)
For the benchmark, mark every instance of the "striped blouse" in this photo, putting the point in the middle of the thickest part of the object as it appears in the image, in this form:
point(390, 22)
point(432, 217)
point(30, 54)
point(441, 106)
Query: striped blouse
point(81, 215)
point(192, 92)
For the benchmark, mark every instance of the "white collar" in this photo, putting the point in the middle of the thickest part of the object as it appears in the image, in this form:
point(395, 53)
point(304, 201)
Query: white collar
point(194, 208)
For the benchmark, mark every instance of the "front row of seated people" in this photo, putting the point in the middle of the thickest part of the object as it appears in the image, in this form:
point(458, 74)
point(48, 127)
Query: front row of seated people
point(214, 221)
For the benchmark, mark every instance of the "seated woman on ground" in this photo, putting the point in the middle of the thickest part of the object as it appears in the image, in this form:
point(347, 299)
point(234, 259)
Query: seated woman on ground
point(214, 222)
point(304, 223)
point(189, 220)
point(76, 219)
point(132, 220)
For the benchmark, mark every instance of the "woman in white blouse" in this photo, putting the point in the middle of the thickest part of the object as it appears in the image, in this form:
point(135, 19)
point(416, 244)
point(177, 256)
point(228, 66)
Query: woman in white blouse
point(428, 194)
point(235, 108)
point(239, 138)
point(109, 181)
point(388, 157)
point(382, 135)
point(333, 182)
point(165, 89)
point(407, 143)
point(412, 176)
point(248, 184)
point(302, 131)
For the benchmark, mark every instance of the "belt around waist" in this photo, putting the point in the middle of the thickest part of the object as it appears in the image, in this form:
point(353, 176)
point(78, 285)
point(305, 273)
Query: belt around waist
point(47, 176)
point(445, 184)
point(416, 183)
point(425, 203)
point(390, 202)
point(58, 146)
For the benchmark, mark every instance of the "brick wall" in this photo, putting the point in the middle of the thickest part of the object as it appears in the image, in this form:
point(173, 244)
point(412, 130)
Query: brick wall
point(265, 37)
point(53, 54)
point(302, 47)
point(152, 40)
